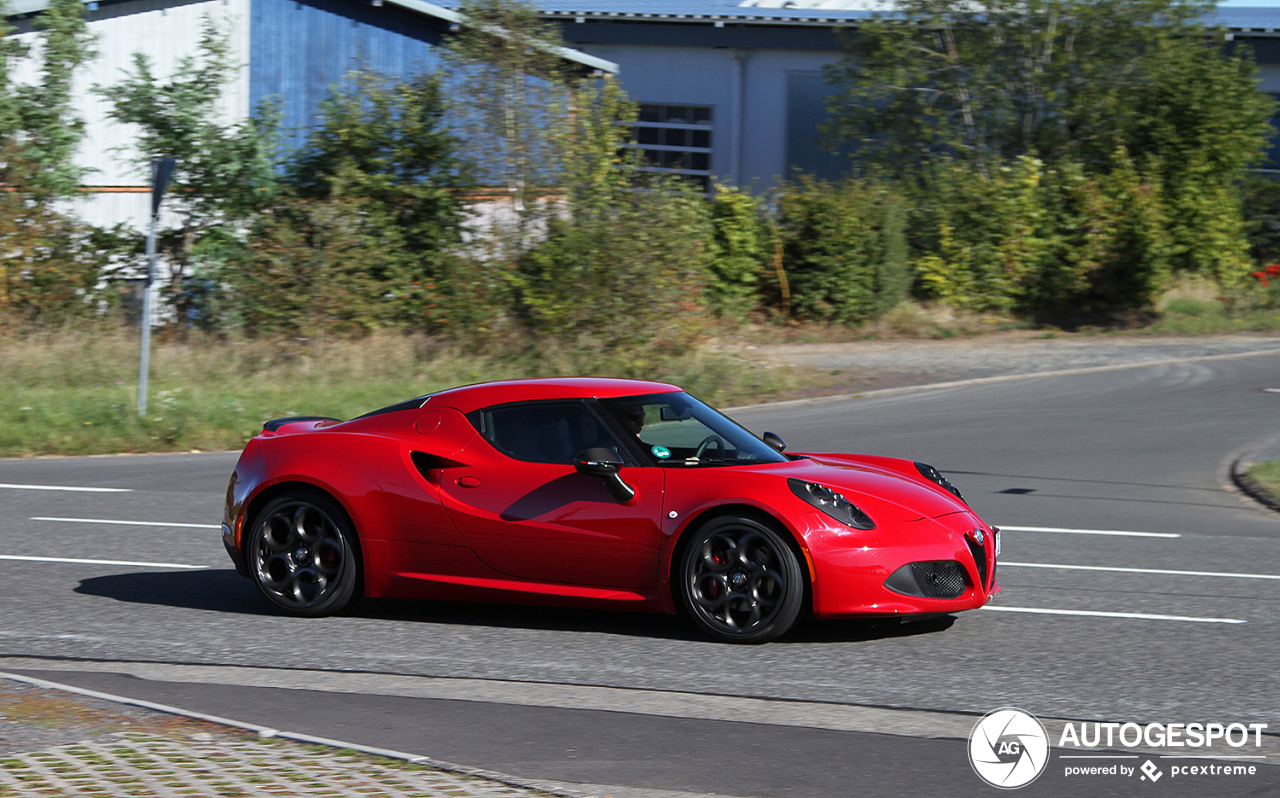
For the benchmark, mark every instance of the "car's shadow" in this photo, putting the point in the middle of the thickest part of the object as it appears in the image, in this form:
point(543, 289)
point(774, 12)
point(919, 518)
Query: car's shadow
point(223, 590)
point(219, 590)
point(636, 624)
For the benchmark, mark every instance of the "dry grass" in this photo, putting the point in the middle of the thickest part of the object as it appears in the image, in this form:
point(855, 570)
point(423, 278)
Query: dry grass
point(75, 392)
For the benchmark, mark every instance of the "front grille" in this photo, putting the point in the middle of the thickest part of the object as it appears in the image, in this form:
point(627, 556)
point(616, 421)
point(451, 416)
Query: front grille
point(979, 558)
point(942, 579)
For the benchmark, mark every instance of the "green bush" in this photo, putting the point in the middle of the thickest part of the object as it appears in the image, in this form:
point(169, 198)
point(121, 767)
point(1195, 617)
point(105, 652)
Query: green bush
point(631, 279)
point(1260, 195)
point(54, 269)
point(844, 249)
point(1199, 125)
point(741, 249)
point(984, 238)
point(1109, 242)
point(320, 267)
point(1044, 241)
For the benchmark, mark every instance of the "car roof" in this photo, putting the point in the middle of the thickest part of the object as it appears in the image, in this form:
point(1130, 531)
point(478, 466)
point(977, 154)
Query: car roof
point(487, 394)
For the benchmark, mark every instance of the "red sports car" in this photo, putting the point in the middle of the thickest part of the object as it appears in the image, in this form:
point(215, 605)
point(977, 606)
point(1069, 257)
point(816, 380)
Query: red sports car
point(602, 493)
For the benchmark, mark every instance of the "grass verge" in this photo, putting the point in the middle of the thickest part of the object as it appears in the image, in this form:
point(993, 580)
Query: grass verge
point(1267, 476)
point(75, 392)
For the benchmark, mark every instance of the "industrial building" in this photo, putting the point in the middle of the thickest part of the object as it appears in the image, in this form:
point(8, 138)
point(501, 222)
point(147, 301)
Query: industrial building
point(728, 92)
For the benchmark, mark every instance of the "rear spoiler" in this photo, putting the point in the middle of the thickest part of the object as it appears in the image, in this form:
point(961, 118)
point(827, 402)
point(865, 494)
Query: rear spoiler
point(276, 423)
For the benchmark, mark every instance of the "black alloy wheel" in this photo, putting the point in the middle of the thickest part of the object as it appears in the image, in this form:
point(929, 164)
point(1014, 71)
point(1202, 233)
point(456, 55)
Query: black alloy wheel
point(303, 557)
point(740, 581)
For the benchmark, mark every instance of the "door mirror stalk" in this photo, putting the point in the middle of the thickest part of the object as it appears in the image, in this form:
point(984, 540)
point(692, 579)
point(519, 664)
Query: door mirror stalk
point(605, 464)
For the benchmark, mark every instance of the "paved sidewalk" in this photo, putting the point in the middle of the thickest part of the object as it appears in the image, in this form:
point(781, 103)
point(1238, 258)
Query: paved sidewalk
point(226, 764)
point(129, 751)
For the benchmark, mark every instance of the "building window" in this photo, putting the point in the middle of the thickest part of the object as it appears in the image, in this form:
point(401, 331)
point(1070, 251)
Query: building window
point(675, 139)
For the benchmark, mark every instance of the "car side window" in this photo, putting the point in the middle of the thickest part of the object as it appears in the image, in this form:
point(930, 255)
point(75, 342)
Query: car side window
point(543, 432)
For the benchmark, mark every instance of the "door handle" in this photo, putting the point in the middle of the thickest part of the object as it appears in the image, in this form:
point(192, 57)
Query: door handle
point(468, 482)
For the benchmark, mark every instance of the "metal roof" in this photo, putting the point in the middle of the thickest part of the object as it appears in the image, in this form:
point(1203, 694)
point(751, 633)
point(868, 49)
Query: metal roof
point(1247, 20)
point(751, 12)
point(826, 13)
point(1260, 20)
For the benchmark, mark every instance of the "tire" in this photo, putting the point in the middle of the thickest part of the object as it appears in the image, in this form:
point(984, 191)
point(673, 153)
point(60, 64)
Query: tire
point(303, 557)
point(739, 581)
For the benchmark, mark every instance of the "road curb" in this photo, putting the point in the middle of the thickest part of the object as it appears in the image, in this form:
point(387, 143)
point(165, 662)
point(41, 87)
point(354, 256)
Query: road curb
point(1267, 449)
point(267, 732)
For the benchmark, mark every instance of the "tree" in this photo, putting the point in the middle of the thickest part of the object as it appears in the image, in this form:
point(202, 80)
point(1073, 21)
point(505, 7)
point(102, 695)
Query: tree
point(1094, 87)
point(1200, 124)
point(508, 66)
point(51, 268)
point(50, 129)
point(592, 162)
point(988, 83)
point(845, 249)
point(619, 264)
point(226, 170)
point(38, 127)
point(384, 161)
point(387, 140)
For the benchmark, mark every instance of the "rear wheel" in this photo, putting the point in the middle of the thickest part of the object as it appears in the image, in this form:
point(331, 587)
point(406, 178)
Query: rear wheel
point(302, 555)
point(740, 581)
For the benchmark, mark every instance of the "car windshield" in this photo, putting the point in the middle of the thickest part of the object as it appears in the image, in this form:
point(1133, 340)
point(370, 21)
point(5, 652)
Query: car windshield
point(674, 429)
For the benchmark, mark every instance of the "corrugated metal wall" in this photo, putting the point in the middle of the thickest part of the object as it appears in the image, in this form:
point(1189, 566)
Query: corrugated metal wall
point(299, 47)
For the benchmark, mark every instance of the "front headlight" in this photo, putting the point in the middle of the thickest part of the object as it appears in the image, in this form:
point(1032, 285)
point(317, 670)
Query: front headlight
point(831, 503)
point(933, 475)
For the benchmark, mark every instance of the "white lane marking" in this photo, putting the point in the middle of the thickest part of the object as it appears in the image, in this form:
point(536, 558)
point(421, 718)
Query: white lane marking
point(1066, 531)
point(11, 486)
point(123, 523)
point(1224, 574)
point(101, 562)
point(1142, 616)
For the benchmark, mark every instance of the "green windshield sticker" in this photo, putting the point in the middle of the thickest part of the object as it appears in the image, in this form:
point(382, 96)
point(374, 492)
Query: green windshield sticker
point(661, 452)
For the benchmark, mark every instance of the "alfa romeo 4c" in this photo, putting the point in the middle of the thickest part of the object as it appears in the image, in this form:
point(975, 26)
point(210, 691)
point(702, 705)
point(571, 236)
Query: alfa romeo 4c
point(601, 493)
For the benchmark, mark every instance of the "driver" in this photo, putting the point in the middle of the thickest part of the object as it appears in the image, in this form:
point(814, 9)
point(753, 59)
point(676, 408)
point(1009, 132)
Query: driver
point(632, 420)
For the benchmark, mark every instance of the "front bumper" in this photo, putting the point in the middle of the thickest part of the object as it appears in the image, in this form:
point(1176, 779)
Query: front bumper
point(853, 566)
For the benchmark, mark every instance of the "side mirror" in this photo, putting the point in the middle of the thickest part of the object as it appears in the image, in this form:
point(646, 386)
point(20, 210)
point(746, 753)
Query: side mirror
point(774, 441)
point(605, 464)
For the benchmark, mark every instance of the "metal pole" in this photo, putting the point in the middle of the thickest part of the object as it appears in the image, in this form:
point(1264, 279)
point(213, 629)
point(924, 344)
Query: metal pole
point(144, 359)
point(161, 171)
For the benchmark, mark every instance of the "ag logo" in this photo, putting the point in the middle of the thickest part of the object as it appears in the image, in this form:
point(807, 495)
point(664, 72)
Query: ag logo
point(1008, 748)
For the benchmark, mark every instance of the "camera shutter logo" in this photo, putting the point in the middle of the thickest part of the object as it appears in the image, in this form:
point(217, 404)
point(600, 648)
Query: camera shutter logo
point(1008, 748)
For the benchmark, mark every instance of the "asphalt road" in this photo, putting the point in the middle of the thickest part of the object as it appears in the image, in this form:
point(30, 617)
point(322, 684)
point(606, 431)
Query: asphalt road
point(1141, 450)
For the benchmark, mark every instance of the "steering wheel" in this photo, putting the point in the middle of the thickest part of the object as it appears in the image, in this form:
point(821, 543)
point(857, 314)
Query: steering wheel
point(707, 443)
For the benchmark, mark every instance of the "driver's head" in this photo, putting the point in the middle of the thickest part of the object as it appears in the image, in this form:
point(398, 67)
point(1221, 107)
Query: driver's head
point(631, 419)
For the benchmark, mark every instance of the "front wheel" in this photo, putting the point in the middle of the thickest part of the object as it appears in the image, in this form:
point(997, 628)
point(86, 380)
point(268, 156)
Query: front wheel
point(740, 581)
point(302, 555)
